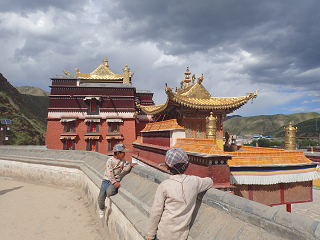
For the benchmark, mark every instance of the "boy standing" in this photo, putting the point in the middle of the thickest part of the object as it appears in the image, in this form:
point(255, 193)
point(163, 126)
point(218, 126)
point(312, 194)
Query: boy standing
point(111, 179)
point(175, 199)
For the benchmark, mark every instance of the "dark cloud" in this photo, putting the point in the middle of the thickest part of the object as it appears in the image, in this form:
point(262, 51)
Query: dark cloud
point(285, 34)
point(24, 7)
point(248, 44)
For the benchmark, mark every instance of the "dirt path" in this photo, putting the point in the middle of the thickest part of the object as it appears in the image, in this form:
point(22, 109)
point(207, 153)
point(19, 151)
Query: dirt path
point(30, 211)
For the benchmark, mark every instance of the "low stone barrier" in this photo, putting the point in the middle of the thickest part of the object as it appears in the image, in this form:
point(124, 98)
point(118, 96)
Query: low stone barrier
point(218, 215)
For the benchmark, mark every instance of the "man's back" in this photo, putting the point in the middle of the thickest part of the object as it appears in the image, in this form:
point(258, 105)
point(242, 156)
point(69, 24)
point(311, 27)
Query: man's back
point(174, 203)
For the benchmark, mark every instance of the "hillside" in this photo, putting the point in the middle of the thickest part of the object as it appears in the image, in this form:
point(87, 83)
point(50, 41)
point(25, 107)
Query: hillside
point(34, 91)
point(27, 128)
point(272, 125)
point(305, 129)
point(37, 100)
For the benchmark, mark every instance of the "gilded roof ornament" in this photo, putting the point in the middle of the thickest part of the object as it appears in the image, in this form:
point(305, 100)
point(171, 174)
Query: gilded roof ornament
point(103, 74)
point(187, 79)
point(106, 63)
point(200, 79)
point(66, 73)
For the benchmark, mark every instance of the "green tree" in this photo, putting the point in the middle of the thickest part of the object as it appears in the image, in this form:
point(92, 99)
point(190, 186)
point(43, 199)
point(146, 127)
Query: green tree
point(306, 142)
point(263, 142)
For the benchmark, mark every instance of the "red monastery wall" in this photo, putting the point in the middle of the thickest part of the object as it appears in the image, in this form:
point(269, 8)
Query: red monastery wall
point(54, 128)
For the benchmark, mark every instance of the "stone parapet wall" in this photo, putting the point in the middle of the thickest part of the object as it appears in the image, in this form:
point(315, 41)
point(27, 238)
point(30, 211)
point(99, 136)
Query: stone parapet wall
point(218, 215)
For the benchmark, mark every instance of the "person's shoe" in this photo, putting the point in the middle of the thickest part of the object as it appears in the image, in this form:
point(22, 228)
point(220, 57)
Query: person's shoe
point(101, 213)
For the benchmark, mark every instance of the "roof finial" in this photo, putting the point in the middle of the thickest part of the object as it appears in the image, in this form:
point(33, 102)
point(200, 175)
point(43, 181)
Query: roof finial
point(106, 62)
point(200, 79)
point(187, 79)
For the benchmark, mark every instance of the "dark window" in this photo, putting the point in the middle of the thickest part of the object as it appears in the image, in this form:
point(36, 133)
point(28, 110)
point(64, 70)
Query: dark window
point(70, 127)
point(92, 145)
point(113, 127)
point(93, 108)
point(93, 127)
point(111, 143)
point(69, 145)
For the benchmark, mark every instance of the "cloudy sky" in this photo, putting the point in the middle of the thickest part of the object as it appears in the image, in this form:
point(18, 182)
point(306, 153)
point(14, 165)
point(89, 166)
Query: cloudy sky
point(239, 46)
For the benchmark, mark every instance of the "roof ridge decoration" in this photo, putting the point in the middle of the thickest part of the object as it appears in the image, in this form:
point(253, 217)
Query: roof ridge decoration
point(103, 72)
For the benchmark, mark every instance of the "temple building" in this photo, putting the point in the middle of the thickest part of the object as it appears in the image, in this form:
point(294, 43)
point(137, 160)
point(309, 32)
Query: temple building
point(193, 120)
point(191, 105)
point(94, 111)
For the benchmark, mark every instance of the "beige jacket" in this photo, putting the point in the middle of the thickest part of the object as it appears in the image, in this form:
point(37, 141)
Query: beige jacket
point(173, 205)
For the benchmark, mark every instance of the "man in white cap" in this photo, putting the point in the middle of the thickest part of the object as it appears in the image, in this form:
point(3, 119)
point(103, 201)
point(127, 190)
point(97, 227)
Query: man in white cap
point(111, 179)
point(175, 199)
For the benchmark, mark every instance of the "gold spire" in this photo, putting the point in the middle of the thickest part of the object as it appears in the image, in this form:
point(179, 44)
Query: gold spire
point(126, 75)
point(290, 137)
point(106, 62)
point(187, 79)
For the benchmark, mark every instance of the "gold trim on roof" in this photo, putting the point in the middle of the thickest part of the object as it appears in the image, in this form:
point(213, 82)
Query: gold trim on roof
point(153, 109)
point(213, 103)
point(103, 72)
point(195, 96)
point(163, 125)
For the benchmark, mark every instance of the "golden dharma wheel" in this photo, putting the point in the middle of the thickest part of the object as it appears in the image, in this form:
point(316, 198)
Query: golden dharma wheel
point(211, 126)
point(290, 138)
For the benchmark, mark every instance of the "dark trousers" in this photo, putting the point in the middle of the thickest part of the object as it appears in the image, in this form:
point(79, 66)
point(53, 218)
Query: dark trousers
point(107, 189)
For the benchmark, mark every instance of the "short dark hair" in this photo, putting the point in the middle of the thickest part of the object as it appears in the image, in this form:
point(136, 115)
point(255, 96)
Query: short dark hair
point(178, 168)
point(115, 153)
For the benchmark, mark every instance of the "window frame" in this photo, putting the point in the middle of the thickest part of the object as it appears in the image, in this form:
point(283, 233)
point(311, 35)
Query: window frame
point(90, 143)
point(113, 129)
point(70, 127)
point(66, 145)
point(93, 110)
point(93, 127)
point(111, 143)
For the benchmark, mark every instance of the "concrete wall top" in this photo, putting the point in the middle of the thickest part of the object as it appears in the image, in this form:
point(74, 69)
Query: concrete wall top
point(218, 215)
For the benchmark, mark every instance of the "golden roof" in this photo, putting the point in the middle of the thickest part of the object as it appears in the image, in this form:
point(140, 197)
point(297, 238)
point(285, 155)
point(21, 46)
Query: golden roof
point(163, 125)
point(197, 97)
point(103, 72)
point(246, 156)
point(153, 109)
point(250, 156)
point(199, 145)
point(212, 103)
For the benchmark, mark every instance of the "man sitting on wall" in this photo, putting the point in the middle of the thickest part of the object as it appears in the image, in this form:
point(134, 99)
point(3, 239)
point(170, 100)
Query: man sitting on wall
point(111, 180)
point(175, 199)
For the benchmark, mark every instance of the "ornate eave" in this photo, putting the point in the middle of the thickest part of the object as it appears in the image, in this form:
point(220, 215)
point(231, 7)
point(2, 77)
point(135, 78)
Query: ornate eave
point(212, 103)
point(196, 97)
point(153, 109)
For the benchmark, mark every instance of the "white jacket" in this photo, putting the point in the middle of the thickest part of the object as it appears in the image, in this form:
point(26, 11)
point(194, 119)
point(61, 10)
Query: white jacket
point(173, 205)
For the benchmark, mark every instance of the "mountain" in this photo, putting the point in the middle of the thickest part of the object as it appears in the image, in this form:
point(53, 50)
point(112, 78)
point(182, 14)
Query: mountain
point(232, 116)
point(27, 128)
point(34, 91)
point(272, 125)
point(308, 128)
point(37, 99)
